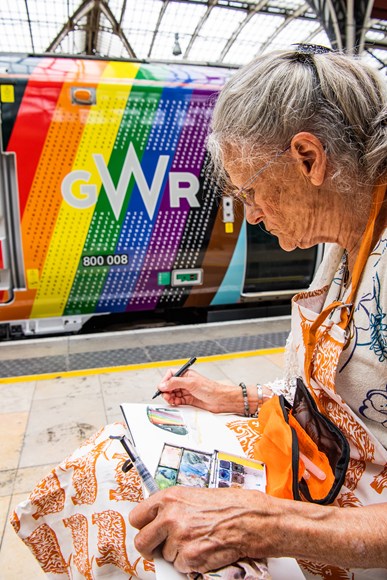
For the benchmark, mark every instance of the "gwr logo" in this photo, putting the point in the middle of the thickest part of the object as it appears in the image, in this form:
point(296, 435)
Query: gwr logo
point(181, 185)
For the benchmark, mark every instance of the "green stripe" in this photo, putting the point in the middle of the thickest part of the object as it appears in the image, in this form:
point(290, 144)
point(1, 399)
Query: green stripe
point(104, 229)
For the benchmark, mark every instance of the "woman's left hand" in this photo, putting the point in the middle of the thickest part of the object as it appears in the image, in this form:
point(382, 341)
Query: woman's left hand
point(198, 529)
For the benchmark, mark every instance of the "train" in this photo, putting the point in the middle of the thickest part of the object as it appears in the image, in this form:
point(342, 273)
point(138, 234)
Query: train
point(108, 206)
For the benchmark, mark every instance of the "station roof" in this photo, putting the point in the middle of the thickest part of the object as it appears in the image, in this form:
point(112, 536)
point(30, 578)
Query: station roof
point(226, 32)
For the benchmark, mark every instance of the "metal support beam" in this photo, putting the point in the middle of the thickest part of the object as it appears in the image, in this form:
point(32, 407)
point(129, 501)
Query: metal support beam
point(366, 25)
point(302, 9)
point(376, 45)
point(328, 15)
point(337, 43)
point(383, 64)
point(92, 9)
point(345, 22)
point(92, 29)
point(161, 14)
point(123, 9)
point(116, 26)
point(313, 34)
point(80, 12)
point(257, 8)
point(199, 26)
point(350, 27)
point(29, 25)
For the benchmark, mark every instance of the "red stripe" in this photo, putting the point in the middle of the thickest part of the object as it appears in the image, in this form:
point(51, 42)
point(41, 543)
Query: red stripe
point(34, 118)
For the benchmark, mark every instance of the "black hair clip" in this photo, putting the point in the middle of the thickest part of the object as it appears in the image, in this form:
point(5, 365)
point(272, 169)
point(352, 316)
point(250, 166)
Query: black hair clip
point(305, 48)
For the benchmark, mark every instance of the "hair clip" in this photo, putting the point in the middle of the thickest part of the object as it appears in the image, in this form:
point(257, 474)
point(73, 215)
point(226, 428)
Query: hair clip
point(305, 48)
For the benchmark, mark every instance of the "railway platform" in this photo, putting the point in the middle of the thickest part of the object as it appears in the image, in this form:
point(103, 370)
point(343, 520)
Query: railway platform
point(55, 392)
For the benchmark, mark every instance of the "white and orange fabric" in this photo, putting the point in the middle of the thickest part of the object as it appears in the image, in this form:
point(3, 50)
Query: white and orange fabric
point(76, 520)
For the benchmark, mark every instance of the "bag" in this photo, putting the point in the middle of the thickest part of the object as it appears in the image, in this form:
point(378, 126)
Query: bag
point(306, 455)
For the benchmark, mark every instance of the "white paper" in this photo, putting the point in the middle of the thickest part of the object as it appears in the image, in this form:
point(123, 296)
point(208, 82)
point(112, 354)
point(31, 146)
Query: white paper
point(206, 432)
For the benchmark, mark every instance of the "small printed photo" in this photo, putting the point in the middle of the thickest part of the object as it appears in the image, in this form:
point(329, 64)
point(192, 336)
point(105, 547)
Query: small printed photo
point(165, 477)
point(194, 469)
point(171, 456)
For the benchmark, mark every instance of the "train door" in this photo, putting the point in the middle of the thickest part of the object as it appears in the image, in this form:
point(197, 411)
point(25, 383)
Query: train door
point(11, 253)
point(273, 273)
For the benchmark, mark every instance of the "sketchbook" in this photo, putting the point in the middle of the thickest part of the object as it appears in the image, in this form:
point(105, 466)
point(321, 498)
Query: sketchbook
point(189, 446)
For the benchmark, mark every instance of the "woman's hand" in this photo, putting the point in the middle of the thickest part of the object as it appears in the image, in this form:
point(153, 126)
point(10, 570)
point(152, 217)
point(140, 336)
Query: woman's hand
point(205, 529)
point(198, 391)
point(198, 529)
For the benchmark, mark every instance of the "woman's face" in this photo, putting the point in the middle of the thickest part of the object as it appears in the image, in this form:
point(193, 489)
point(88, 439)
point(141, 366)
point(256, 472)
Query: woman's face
point(282, 198)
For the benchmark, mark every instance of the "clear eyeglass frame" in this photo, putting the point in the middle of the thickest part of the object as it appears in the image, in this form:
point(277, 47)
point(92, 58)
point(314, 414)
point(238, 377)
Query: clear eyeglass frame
point(245, 192)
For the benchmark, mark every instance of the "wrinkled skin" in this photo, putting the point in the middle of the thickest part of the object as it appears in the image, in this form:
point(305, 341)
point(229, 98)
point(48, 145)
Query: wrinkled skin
point(206, 529)
point(199, 529)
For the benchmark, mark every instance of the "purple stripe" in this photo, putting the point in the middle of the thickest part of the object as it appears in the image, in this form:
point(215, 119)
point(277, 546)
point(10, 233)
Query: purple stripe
point(170, 222)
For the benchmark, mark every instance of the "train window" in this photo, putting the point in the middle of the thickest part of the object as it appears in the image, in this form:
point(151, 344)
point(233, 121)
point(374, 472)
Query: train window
point(269, 268)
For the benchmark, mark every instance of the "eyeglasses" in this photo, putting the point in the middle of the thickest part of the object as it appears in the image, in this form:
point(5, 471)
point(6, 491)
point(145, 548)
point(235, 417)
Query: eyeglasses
point(245, 194)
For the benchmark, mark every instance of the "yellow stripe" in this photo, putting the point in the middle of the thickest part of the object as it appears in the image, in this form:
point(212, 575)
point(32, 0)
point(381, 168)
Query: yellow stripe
point(103, 122)
point(141, 366)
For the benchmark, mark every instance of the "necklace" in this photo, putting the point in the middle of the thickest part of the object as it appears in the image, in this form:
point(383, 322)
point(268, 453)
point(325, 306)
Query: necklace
point(342, 279)
point(345, 270)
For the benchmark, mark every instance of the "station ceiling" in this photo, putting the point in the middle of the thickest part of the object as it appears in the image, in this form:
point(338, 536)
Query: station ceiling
point(226, 32)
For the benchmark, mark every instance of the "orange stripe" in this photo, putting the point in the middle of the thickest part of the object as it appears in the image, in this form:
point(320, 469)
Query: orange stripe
point(45, 198)
point(56, 161)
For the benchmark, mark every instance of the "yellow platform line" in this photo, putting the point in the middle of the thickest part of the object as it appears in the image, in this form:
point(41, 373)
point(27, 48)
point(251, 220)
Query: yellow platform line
point(140, 366)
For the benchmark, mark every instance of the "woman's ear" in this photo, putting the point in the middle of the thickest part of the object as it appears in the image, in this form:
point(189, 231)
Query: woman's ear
point(309, 152)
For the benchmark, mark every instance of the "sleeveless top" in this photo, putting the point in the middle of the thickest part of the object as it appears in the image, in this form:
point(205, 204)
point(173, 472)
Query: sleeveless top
point(349, 377)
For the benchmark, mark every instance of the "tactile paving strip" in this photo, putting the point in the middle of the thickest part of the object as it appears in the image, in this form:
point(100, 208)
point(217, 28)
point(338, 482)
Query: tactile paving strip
point(185, 350)
point(32, 366)
point(107, 358)
point(122, 357)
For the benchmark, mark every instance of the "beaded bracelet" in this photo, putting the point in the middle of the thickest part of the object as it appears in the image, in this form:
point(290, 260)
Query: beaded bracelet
point(245, 399)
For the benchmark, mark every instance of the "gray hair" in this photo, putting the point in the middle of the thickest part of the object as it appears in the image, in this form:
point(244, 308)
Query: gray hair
point(338, 98)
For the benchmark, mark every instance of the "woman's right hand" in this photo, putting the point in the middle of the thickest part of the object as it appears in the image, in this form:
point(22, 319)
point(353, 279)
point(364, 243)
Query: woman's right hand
point(196, 390)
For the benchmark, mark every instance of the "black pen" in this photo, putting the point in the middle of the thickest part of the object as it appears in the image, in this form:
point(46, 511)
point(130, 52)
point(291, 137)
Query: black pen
point(178, 373)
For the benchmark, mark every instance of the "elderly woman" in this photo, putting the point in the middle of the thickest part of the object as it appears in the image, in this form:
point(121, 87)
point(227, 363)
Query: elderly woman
point(301, 140)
